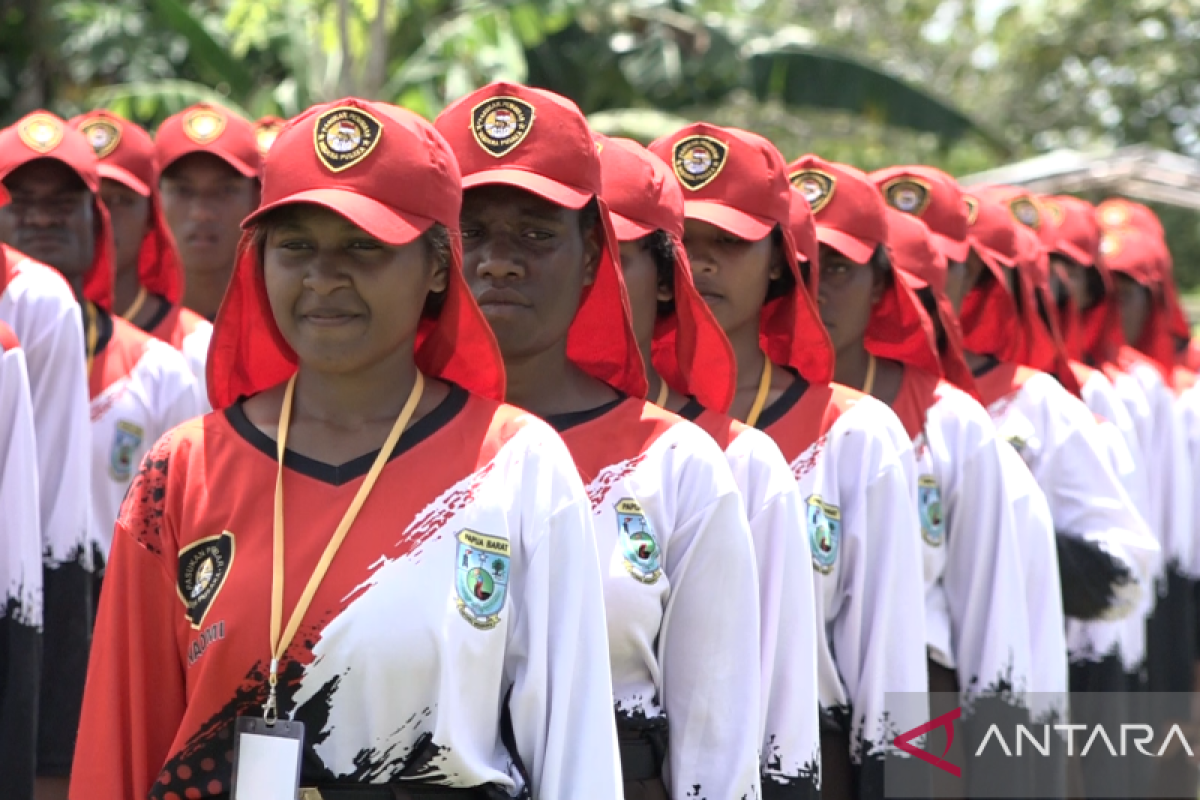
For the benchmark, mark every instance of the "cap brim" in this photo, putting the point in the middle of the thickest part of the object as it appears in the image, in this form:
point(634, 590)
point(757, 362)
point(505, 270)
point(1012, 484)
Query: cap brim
point(545, 188)
point(238, 165)
point(748, 226)
point(123, 177)
point(627, 230)
point(910, 280)
point(951, 249)
point(386, 224)
point(851, 247)
point(1074, 253)
point(15, 165)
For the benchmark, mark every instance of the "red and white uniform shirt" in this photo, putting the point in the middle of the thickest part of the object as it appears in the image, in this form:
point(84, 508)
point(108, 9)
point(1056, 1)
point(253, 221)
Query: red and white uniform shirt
point(680, 591)
point(140, 388)
point(471, 571)
point(189, 333)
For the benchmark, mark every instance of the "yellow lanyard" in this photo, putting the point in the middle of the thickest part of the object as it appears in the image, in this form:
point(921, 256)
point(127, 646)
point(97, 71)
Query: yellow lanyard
point(869, 383)
point(764, 388)
point(663, 392)
point(279, 643)
point(137, 304)
point(93, 333)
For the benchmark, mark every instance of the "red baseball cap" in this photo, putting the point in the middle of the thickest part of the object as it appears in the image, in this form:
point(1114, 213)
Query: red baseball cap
point(266, 131)
point(1117, 212)
point(690, 350)
point(850, 215)
point(389, 172)
point(1044, 348)
point(989, 313)
point(127, 156)
point(43, 135)
point(737, 181)
point(920, 264)
point(208, 128)
point(1135, 253)
point(933, 197)
point(1078, 233)
point(804, 230)
point(507, 134)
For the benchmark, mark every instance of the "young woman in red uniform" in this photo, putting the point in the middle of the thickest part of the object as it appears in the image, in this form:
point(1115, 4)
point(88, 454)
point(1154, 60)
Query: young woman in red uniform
point(362, 538)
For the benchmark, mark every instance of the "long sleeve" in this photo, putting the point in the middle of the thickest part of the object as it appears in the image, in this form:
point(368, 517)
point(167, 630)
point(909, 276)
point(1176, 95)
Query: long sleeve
point(135, 696)
point(20, 578)
point(787, 642)
point(560, 703)
point(708, 642)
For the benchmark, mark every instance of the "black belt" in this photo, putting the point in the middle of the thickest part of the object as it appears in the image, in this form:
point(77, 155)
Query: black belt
point(639, 760)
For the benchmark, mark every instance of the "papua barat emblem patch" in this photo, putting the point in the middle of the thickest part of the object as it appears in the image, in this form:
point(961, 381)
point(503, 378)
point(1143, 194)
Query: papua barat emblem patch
point(40, 132)
point(127, 438)
point(816, 186)
point(972, 209)
point(698, 160)
point(102, 135)
point(501, 123)
point(824, 533)
point(481, 577)
point(344, 136)
point(203, 125)
point(909, 195)
point(1026, 212)
point(203, 567)
point(643, 558)
point(265, 134)
point(933, 520)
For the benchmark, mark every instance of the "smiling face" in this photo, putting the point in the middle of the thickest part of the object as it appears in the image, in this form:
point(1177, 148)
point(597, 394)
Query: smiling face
point(130, 216)
point(342, 299)
point(731, 273)
point(846, 295)
point(51, 217)
point(527, 262)
point(204, 202)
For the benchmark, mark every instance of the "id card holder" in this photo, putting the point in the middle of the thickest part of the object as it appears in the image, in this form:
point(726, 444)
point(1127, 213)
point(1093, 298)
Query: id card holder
point(266, 759)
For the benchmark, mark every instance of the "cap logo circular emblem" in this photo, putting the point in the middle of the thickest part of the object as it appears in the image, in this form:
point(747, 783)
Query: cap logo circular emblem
point(909, 195)
point(203, 125)
point(344, 136)
point(102, 135)
point(816, 186)
point(501, 123)
point(40, 132)
point(265, 134)
point(1110, 245)
point(1026, 212)
point(1114, 216)
point(698, 160)
point(972, 209)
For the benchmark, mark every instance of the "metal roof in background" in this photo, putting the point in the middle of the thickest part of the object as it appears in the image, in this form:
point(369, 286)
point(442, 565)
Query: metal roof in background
point(1139, 172)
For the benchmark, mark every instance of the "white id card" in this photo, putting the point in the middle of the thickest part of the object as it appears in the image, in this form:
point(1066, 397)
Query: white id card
point(266, 759)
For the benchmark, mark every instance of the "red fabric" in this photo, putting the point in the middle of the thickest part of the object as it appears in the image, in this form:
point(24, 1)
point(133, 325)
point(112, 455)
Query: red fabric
point(989, 313)
point(8, 339)
point(752, 186)
point(1044, 347)
point(1117, 212)
point(1078, 231)
point(918, 392)
point(690, 351)
point(557, 160)
point(208, 128)
point(43, 135)
point(411, 174)
point(1135, 253)
point(935, 198)
point(804, 231)
point(129, 158)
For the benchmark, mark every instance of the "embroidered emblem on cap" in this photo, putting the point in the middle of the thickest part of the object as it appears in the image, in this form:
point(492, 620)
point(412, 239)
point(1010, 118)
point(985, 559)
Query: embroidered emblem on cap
point(698, 160)
point(203, 125)
point(265, 134)
point(908, 195)
point(1054, 212)
point(816, 186)
point(972, 209)
point(1114, 216)
point(1026, 212)
point(1110, 245)
point(102, 135)
point(824, 533)
point(40, 132)
point(501, 123)
point(203, 567)
point(344, 136)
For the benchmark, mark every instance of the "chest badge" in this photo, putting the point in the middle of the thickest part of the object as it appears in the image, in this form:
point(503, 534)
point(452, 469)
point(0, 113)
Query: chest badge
point(127, 438)
point(203, 567)
point(639, 547)
point(933, 520)
point(824, 533)
point(481, 577)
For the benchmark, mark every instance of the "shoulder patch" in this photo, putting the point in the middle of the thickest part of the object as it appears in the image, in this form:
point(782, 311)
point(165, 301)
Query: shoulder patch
point(102, 135)
point(481, 577)
point(698, 160)
point(127, 438)
point(501, 123)
point(824, 521)
point(344, 136)
point(929, 502)
point(910, 195)
point(638, 544)
point(203, 567)
point(204, 125)
point(41, 133)
point(816, 186)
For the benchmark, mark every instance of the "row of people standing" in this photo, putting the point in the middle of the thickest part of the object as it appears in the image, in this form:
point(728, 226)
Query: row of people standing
point(741, 596)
